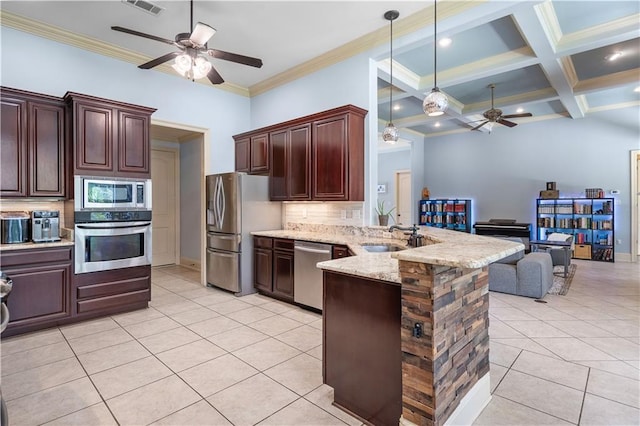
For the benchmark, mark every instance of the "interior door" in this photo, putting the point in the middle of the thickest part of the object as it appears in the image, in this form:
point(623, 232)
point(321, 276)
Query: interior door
point(164, 179)
point(403, 198)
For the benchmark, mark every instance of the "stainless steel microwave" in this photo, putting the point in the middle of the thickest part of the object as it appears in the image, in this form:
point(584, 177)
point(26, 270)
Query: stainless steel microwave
point(111, 193)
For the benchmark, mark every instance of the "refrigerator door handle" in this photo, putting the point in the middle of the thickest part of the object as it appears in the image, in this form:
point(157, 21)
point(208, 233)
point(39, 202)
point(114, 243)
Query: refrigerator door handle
point(219, 202)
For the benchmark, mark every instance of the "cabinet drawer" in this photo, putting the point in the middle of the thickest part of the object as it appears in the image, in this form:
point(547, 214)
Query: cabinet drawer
point(582, 251)
point(118, 287)
point(262, 242)
point(279, 244)
point(29, 257)
point(338, 252)
point(118, 300)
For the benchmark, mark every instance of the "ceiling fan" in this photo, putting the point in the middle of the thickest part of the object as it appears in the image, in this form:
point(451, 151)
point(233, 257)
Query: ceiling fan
point(190, 59)
point(494, 115)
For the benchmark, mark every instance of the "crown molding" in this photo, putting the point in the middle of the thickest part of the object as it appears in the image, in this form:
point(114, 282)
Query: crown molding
point(549, 21)
point(614, 106)
point(410, 24)
point(610, 81)
point(60, 35)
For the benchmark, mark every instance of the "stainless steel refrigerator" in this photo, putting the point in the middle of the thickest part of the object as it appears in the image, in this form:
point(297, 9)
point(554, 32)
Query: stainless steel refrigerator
point(237, 204)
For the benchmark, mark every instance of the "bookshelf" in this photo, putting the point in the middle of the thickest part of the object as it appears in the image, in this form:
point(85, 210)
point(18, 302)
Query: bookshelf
point(589, 220)
point(451, 214)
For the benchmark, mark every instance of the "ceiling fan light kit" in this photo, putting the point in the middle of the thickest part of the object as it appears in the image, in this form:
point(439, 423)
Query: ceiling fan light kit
point(436, 102)
point(494, 115)
point(190, 61)
point(390, 132)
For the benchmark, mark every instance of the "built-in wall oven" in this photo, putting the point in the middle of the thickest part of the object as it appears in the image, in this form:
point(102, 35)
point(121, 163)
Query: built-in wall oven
point(112, 240)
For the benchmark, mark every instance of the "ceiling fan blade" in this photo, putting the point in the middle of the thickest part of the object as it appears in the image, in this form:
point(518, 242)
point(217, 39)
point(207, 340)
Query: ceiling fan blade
point(480, 125)
point(233, 57)
point(524, 114)
point(139, 34)
point(506, 123)
point(214, 77)
point(161, 60)
point(201, 34)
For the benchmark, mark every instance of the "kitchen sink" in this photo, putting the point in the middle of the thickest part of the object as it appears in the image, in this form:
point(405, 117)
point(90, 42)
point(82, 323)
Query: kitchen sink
point(380, 248)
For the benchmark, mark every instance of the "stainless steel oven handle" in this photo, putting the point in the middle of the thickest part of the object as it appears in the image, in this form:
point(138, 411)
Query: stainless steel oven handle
point(113, 225)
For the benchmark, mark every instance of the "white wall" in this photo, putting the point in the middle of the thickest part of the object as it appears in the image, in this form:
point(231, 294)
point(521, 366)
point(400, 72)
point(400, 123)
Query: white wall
point(503, 172)
point(65, 68)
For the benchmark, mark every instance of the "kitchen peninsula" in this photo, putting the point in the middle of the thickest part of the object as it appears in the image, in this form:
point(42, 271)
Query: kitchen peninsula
point(437, 295)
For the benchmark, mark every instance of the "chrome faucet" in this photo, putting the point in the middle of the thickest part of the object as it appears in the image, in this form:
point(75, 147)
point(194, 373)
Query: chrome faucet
point(415, 239)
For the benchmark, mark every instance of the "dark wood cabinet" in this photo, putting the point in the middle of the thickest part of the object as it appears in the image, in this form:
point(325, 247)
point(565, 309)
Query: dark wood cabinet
point(34, 156)
point(338, 252)
point(110, 138)
point(316, 157)
point(283, 268)
point(290, 177)
point(107, 292)
point(243, 153)
point(253, 153)
point(41, 287)
point(273, 267)
point(362, 360)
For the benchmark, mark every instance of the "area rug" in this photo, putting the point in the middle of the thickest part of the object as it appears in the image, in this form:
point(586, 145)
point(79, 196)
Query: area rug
point(560, 284)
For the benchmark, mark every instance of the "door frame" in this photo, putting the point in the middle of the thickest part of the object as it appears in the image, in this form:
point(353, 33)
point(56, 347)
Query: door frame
point(176, 207)
point(204, 150)
point(635, 175)
point(397, 190)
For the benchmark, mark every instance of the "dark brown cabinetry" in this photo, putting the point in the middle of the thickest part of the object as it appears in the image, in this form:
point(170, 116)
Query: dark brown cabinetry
point(316, 157)
point(107, 292)
point(41, 287)
point(109, 138)
point(361, 336)
point(34, 156)
point(252, 153)
point(290, 177)
point(338, 252)
point(273, 267)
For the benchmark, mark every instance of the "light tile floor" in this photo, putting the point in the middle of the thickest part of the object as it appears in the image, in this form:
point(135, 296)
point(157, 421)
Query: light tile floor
point(200, 356)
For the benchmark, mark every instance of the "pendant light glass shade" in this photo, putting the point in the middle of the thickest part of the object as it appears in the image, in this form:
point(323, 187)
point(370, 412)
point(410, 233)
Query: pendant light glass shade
point(436, 102)
point(390, 132)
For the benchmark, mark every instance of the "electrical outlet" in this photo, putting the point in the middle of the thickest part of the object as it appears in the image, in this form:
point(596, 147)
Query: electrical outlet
point(618, 241)
point(343, 214)
point(356, 214)
point(304, 213)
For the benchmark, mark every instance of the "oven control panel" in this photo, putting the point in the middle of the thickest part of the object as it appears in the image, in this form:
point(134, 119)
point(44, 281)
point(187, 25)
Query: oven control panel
point(112, 216)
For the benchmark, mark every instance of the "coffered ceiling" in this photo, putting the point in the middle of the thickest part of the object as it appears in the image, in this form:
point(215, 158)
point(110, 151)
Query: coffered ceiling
point(550, 58)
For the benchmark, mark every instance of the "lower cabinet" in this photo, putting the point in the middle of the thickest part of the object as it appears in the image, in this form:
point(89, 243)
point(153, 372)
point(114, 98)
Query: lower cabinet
point(41, 291)
point(113, 291)
point(273, 267)
point(46, 293)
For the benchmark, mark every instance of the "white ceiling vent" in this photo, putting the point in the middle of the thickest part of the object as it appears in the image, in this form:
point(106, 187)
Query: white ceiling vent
point(145, 6)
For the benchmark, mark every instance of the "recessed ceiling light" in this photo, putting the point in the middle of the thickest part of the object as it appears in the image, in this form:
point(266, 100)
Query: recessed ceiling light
point(637, 89)
point(445, 42)
point(519, 110)
point(396, 107)
point(437, 124)
point(613, 56)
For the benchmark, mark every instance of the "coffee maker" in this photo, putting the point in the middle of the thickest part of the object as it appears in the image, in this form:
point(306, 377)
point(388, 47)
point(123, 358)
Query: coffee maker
point(45, 226)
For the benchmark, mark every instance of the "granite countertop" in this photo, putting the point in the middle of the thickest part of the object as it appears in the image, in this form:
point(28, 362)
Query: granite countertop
point(444, 247)
point(32, 245)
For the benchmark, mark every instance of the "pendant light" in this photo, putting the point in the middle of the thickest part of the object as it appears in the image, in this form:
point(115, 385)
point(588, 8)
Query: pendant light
point(390, 132)
point(436, 102)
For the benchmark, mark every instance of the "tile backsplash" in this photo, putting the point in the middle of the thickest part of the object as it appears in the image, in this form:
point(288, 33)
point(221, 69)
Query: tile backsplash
point(338, 213)
point(7, 205)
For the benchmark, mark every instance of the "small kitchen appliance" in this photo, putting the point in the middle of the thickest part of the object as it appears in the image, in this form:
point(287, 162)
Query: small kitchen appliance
point(45, 226)
point(14, 227)
point(98, 193)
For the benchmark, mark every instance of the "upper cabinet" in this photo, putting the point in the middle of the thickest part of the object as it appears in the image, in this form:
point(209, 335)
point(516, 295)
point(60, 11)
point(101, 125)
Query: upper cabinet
point(110, 138)
point(319, 157)
point(34, 157)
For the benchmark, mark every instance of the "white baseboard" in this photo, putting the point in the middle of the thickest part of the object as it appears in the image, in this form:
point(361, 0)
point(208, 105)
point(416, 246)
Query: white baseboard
point(472, 404)
point(469, 408)
point(190, 263)
point(623, 257)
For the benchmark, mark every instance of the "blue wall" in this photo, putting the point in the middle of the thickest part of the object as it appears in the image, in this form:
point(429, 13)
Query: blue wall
point(66, 68)
point(503, 172)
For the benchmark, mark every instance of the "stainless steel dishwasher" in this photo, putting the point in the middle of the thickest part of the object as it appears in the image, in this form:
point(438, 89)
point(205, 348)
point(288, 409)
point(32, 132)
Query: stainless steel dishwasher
point(307, 278)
